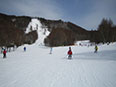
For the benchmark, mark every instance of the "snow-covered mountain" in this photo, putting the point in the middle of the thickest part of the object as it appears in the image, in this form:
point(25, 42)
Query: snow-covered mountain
point(36, 67)
point(26, 30)
point(19, 30)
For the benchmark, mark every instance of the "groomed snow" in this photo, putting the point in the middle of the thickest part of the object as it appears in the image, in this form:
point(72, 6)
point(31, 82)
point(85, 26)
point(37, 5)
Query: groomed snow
point(37, 68)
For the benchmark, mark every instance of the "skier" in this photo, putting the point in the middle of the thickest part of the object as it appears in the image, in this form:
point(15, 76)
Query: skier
point(24, 48)
point(2, 50)
point(96, 49)
point(69, 53)
point(51, 50)
point(4, 53)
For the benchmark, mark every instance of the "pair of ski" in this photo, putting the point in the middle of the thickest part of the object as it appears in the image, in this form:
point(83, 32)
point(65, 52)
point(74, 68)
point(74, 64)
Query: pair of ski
point(69, 57)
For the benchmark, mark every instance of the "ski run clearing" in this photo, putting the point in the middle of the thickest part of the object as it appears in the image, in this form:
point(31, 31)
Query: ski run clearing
point(38, 68)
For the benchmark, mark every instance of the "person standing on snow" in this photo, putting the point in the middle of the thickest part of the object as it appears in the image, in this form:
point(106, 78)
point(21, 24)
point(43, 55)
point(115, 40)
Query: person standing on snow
point(70, 53)
point(51, 50)
point(2, 50)
point(96, 49)
point(24, 48)
point(4, 53)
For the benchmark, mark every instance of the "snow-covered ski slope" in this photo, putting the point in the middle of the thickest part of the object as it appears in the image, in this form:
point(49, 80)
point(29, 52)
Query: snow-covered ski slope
point(37, 68)
point(43, 32)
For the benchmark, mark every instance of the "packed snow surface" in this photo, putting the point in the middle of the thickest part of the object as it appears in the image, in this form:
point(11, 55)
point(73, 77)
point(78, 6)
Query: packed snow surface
point(37, 68)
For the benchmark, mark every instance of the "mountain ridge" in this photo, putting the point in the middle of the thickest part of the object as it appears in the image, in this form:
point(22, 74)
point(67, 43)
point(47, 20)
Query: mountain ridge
point(20, 23)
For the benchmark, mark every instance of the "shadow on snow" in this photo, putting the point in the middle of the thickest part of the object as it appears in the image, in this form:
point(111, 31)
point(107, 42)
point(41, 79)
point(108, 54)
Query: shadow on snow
point(100, 55)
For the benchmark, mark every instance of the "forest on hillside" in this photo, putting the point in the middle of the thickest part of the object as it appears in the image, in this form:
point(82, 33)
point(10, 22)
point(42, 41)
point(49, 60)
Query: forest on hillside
point(12, 32)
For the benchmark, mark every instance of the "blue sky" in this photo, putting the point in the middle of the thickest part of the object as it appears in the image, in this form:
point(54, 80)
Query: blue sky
point(85, 13)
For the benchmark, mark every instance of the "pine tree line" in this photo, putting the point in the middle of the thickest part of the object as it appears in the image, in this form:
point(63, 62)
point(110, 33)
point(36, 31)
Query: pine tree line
point(105, 33)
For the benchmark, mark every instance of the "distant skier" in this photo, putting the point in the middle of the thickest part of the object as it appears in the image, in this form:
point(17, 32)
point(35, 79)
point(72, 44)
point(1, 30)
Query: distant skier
point(4, 53)
point(70, 53)
point(51, 50)
point(2, 50)
point(96, 49)
point(24, 48)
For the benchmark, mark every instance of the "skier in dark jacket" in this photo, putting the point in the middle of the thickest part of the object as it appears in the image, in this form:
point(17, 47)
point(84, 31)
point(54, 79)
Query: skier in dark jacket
point(96, 49)
point(69, 53)
point(24, 48)
point(4, 53)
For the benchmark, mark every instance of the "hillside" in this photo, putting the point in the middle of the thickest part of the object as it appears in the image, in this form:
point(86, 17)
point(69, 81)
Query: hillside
point(13, 31)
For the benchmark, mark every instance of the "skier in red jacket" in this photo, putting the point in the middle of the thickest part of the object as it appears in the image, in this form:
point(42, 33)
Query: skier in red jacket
point(4, 53)
point(69, 53)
